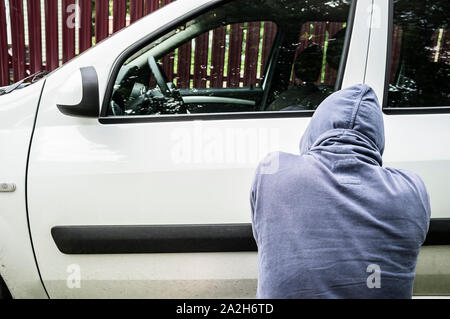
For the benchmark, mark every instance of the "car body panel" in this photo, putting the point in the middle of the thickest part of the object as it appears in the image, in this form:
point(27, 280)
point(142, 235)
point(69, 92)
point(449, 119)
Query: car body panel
point(117, 174)
point(17, 263)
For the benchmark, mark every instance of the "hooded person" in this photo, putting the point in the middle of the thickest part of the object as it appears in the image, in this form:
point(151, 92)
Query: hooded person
point(332, 222)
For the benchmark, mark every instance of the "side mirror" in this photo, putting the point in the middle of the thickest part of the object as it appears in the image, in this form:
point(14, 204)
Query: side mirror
point(79, 95)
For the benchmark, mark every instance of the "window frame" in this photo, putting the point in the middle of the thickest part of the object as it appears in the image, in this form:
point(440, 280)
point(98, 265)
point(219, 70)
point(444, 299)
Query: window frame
point(401, 110)
point(105, 119)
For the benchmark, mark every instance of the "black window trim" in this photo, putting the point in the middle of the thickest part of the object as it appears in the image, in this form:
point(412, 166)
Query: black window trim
point(104, 119)
point(182, 238)
point(401, 110)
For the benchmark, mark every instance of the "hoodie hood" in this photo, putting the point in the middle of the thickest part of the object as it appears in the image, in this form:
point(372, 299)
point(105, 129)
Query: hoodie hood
point(349, 120)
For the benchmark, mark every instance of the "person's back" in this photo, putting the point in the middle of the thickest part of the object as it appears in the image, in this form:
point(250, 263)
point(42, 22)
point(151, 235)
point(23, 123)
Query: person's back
point(326, 219)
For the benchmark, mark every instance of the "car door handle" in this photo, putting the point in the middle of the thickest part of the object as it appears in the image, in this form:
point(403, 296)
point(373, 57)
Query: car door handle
point(7, 187)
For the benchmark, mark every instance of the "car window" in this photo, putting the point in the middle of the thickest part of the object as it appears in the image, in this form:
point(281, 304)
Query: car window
point(420, 63)
point(234, 55)
point(246, 56)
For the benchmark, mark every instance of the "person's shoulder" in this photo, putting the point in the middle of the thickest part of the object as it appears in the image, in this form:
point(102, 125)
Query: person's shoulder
point(416, 187)
point(276, 161)
point(411, 178)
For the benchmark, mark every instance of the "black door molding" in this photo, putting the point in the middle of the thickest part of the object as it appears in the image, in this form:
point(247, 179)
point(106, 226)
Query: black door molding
point(181, 238)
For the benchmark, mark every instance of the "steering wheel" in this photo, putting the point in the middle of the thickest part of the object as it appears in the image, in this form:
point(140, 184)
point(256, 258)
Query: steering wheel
point(175, 103)
point(160, 77)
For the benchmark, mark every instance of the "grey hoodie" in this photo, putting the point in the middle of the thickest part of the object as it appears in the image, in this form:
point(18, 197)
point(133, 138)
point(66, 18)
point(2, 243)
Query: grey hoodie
point(332, 222)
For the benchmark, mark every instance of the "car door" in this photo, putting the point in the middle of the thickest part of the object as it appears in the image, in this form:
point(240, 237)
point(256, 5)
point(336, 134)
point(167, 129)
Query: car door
point(415, 91)
point(152, 199)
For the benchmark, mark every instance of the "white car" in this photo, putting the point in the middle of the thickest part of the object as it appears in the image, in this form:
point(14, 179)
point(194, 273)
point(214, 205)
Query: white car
point(123, 177)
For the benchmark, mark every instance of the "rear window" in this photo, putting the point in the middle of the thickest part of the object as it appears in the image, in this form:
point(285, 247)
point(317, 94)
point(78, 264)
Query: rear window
point(420, 62)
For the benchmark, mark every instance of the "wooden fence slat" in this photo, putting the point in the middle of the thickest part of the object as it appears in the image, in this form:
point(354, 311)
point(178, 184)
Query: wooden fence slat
point(184, 65)
point(136, 10)
point(333, 28)
point(320, 34)
point(151, 6)
point(330, 76)
point(201, 60)
point(305, 39)
point(234, 55)
point(68, 30)
point(119, 15)
point(18, 39)
point(270, 31)
point(101, 20)
point(251, 53)
point(396, 51)
point(218, 57)
point(51, 35)
point(168, 64)
point(331, 73)
point(34, 35)
point(305, 36)
point(85, 32)
point(4, 63)
point(169, 59)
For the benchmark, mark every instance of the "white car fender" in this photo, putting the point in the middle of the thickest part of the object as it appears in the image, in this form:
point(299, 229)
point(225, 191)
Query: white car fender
point(17, 262)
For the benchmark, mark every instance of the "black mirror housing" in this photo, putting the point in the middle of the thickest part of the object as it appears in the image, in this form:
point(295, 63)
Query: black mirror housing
point(89, 106)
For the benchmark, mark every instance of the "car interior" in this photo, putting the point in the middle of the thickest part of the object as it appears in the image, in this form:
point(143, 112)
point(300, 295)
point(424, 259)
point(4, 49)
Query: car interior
point(291, 76)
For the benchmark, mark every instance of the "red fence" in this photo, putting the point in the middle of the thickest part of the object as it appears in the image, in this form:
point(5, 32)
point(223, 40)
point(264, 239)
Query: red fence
point(207, 52)
point(19, 59)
